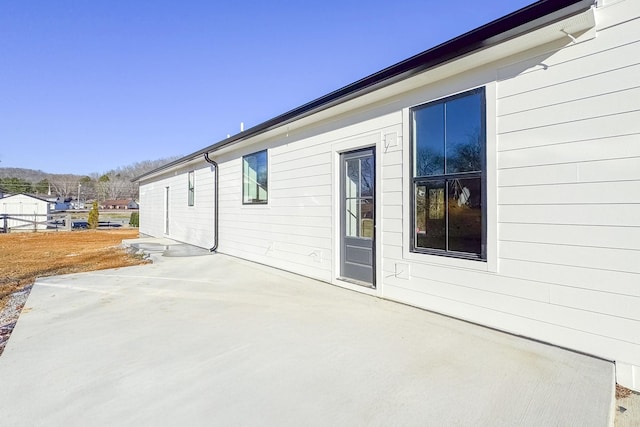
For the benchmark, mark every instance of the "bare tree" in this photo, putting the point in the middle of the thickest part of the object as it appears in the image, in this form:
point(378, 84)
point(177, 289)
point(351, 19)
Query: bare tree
point(113, 184)
point(88, 189)
point(64, 185)
point(117, 186)
point(102, 187)
point(117, 183)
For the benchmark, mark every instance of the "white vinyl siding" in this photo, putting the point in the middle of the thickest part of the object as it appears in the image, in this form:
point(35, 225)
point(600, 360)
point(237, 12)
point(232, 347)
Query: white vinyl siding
point(293, 232)
point(569, 188)
point(190, 224)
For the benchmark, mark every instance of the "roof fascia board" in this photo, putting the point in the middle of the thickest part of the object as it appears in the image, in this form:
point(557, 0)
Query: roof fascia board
point(187, 162)
point(27, 195)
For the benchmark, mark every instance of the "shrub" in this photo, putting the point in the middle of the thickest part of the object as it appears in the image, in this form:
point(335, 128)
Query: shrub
point(134, 221)
point(93, 216)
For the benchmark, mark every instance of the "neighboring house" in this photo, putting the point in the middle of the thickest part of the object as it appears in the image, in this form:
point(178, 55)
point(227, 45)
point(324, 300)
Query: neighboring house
point(119, 204)
point(494, 178)
point(62, 204)
point(22, 212)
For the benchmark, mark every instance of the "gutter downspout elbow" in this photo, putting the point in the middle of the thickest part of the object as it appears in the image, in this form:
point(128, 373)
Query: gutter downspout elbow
point(214, 248)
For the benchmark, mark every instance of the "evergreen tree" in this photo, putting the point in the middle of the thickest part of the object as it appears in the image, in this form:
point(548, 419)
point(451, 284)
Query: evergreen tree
point(15, 185)
point(93, 216)
point(134, 221)
point(41, 187)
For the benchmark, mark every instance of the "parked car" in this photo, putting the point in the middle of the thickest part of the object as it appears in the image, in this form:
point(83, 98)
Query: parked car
point(79, 225)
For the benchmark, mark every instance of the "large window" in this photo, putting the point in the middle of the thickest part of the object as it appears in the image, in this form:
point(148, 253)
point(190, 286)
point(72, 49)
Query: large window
point(448, 176)
point(254, 178)
point(191, 188)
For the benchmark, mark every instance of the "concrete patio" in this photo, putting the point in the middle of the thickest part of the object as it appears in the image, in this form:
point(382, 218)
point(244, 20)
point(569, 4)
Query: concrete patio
point(213, 340)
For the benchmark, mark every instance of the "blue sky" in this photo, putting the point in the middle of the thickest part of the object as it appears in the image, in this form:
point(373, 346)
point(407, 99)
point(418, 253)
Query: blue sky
point(87, 86)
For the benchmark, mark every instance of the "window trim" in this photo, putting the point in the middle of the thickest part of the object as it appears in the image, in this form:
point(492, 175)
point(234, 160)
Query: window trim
point(414, 181)
point(259, 202)
point(191, 188)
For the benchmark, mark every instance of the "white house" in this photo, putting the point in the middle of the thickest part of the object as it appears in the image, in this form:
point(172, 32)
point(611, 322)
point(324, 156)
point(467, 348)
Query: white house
point(22, 212)
point(494, 178)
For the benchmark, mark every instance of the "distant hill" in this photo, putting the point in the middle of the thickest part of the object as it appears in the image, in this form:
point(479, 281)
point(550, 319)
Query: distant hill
point(114, 184)
point(31, 175)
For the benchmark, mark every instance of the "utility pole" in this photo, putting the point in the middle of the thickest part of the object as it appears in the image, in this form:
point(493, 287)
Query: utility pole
point(78, 201)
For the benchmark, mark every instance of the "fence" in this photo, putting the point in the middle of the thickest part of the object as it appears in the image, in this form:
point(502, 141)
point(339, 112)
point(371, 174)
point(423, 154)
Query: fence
point(34, 222)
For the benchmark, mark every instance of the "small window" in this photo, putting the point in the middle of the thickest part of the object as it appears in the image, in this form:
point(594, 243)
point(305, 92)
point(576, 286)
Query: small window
point(254, 178)
point(192, 188)
point(449, 180)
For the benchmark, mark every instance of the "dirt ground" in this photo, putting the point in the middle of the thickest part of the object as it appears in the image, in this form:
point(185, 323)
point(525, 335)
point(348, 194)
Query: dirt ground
point(26, 256)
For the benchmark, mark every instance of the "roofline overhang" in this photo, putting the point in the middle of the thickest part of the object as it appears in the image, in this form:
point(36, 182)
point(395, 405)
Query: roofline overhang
point(28, 195)
point(515, 24)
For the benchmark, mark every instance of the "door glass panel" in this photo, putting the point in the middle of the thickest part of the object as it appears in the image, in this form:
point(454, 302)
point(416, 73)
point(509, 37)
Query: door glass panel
point(430, 215)
point(366, 218)
point(465, 215)
point(359, 192)
point(352, 180)
point(366, 177)
point(351, 217)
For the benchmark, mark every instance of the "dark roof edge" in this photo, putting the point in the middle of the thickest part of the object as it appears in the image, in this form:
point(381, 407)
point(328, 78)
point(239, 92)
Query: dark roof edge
point(509, 26)
point(28, 195)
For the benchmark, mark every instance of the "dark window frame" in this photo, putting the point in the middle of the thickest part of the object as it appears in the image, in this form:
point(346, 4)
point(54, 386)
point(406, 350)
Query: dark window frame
point(266, 186)
point(191, 188)
point(416, 181)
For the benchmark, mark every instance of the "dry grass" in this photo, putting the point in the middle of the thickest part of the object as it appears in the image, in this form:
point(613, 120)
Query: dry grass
point(26, 256)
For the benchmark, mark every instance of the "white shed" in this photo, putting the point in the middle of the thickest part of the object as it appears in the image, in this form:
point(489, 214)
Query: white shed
point(22, 212)
point(494, 178)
